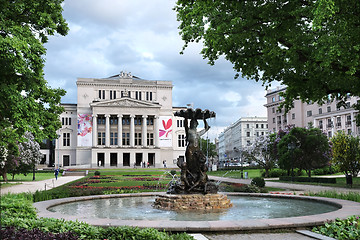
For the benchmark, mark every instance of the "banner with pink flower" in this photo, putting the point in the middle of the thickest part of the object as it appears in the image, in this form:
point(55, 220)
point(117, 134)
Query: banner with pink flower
point(84, 130)
point(165, 131)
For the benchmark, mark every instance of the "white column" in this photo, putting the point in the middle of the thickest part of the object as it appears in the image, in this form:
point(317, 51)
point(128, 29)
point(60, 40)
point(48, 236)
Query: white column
point(132, 131)
point(119, 130)
point(156, 132)
point(144, 131)
point(94, 130)
point(107, 131)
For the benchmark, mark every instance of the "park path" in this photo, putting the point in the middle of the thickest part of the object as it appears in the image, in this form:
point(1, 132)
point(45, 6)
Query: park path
point(33, 186)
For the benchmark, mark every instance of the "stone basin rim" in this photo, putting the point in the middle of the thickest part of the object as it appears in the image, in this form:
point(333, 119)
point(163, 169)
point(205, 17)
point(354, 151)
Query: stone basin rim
point(346, 208)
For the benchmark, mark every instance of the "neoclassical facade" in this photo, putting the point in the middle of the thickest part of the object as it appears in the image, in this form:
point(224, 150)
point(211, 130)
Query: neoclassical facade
point(120, 121)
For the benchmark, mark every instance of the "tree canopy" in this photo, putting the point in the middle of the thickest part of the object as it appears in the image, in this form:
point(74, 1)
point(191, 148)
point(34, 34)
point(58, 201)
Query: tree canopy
point(27, 103)
point(312, 47)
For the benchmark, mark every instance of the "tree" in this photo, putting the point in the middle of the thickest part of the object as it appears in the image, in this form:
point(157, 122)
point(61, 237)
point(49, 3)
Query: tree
point(304, 148)
point(29, 155)
point(312, 47)
point(346, 153)
point(262, 152)
point(27, 103)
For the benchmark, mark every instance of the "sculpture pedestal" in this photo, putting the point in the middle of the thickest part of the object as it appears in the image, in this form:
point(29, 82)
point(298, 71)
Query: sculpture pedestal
point(193, 202)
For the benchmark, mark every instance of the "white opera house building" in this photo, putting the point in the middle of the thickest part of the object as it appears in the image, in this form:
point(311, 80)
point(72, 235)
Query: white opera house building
point(120, 122)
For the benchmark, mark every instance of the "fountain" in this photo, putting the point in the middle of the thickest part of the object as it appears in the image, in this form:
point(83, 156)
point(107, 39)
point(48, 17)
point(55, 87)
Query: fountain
point(193, 191)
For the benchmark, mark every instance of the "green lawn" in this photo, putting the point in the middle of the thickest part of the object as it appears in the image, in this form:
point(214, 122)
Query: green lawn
point(29, 177)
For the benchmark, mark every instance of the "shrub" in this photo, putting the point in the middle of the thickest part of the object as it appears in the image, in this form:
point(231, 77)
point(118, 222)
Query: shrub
point(258, 181)
point(341, 229)
point(307, 179)
point(249, 189)
point(173, 172)
point(25, 234)
point(324, 171)
point(97, 173)
point(274, 173)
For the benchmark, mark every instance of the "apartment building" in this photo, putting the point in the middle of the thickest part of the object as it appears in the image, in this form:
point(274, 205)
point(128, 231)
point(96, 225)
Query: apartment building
point(120, 121)
point(239, 136)
point(328, 117)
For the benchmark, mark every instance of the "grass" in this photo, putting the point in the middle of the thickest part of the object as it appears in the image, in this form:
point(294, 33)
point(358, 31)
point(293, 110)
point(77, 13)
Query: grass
point(39, 176)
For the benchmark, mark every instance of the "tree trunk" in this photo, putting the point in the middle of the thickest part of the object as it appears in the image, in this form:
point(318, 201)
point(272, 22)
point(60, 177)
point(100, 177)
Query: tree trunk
point(309, 173)
point(266, 172)
point(4, 176)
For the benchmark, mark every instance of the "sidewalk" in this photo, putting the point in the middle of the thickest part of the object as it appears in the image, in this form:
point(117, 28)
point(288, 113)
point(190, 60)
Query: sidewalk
point(33, 186)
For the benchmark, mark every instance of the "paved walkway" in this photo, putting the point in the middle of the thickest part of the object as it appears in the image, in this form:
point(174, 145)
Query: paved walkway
point(33, 186)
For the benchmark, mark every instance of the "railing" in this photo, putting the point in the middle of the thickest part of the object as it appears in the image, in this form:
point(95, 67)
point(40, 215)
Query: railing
point(49, 185)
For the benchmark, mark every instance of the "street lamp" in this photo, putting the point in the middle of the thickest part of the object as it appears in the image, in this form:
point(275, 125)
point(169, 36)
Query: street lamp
point(291, 147)
point(241, 163)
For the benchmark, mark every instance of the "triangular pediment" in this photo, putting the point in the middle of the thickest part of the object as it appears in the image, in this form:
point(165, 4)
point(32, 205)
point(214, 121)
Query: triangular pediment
point(126, 103)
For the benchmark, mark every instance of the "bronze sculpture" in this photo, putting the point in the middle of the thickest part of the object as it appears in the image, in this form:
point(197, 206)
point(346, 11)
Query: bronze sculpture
point(193, 172)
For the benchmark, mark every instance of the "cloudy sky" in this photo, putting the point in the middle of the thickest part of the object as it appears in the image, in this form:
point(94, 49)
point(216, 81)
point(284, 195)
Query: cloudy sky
point(142, 37)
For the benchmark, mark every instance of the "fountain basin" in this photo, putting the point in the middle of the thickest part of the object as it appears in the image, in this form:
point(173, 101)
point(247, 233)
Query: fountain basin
point(344, 209)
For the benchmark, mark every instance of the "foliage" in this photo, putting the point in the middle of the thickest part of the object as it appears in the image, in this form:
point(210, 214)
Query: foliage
point(208, 147)
point(24, 234)
point(351, 196)
point(27, 103)
point(262, 152)
point(310, 149)
point(24, 217)
point(308, 179)
point(324, 171)
point(341, 229)
point(258, 181)
point(29, 155)
point(346, 153)
point(310, 46)
point(97, 173)
point(274, 173)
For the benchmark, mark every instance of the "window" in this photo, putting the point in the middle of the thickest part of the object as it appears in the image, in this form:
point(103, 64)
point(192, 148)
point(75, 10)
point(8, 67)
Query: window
point(293, 116)
point(181, 140)
point(273, 99)
point(248, 143)
point(347, 105)
point(180, 123)
point(126, 139)
point(126, 121)
point(248, 134)
point(66, 121)
point(113, 138)
point(309, 113)
point(348, 120)
point(338, 121)
point(257, 134)
point(137, 121)
point(262, 125)
point(273, 110)
point(320, 110)
point(280, 98)
point(113, 120)
point(329, 134)
point(257, 125)
point(112, 94)
point(101, 138)
point(262, 133)
point(148, 96)
point(138, 95)
point(66, 139)
point(329, 123)
point(101, 120)
point(328, 109)
point(150, 121)
point(247, 125)
point(321, 124)
point(150, 139)
point(137, 139)
point(102, 94)
point(274, 120)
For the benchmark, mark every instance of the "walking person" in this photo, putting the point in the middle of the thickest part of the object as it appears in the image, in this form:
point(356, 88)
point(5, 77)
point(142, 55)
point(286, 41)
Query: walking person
point(56, 172)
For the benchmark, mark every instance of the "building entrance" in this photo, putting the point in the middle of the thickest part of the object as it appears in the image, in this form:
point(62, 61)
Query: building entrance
point(101, 159)
point(126, 159)
point(113, 159)
point(151, 159)
point(139, 158)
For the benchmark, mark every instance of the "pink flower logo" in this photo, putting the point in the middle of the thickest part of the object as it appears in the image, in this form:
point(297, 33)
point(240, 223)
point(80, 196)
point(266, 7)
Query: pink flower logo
point(167, 127)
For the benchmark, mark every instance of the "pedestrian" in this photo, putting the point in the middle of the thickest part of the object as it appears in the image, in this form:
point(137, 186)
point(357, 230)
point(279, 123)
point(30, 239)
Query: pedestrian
point(164, 162)
point(134, 164)
point(148, 164)
point(57, 172)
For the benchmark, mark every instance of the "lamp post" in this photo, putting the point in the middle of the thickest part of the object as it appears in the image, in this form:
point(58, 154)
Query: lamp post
point(291, 147)
point(241, 163)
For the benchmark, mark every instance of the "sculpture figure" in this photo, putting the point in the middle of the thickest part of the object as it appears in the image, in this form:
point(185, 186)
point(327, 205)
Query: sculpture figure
point(193, 172)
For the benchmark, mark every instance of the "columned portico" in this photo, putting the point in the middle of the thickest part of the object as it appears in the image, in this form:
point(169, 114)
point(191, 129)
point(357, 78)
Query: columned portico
point(132, 131)
point(107, 131)
point(119, 130)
